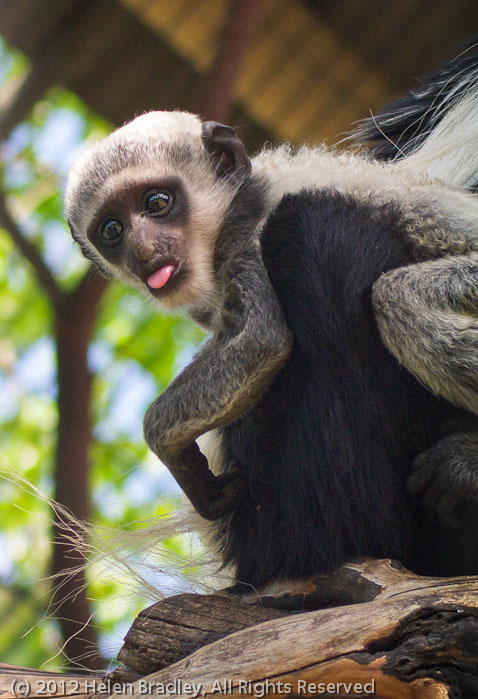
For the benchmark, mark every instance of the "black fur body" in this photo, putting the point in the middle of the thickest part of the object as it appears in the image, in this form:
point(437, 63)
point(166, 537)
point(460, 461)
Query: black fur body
point(328, 282)
point(333, 487)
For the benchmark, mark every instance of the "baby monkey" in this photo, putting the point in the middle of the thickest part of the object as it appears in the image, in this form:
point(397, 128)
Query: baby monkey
point(168, 205)
point(320, 276)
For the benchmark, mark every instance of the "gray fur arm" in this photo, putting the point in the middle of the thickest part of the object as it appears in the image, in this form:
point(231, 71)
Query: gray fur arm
point(228, 375)
point(427, 314)
point(428, 318)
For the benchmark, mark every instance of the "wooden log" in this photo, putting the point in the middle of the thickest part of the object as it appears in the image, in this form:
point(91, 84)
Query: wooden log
point(399, 635)
point(177, 626)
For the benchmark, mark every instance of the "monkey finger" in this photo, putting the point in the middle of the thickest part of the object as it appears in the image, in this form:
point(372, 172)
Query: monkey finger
point(445, 508)
point(224, 494)
point(228, 493)
point(434, 494)
point(420, 479)
point(234, 471)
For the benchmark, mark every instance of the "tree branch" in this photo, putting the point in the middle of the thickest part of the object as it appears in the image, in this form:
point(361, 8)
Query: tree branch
point(84, 299)
point(75, 313)
point(241, 24)
point(29, 251)
point(74, 324)
point(402, 637)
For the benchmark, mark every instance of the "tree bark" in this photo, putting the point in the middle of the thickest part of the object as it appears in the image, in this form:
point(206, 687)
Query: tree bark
point(74, 327)
point(398, 636)
point(380, 627)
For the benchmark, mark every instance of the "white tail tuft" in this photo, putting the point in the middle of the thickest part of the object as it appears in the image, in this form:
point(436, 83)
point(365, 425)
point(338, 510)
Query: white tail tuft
point(450, 152)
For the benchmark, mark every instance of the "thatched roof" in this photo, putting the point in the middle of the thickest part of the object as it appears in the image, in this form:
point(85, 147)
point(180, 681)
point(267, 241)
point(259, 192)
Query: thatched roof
point(311, 69)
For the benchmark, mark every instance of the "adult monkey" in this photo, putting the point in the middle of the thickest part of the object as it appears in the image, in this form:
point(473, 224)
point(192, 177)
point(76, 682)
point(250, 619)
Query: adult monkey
point(315, 443)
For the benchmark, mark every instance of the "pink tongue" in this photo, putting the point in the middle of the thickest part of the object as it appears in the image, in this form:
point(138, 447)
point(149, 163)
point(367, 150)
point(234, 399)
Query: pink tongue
point(161, 277)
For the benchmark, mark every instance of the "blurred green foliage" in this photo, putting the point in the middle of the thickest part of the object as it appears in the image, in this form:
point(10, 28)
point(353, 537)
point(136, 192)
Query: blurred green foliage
point(134, 355)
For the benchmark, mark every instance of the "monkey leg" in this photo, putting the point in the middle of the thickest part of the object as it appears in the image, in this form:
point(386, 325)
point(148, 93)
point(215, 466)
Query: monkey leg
point(227, 377)
point(445, 474)
point(427, 314)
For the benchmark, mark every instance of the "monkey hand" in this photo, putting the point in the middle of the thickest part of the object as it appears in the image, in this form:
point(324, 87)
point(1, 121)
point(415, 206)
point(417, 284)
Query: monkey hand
point(211, 496)
point(225, 494)
point(445, 474)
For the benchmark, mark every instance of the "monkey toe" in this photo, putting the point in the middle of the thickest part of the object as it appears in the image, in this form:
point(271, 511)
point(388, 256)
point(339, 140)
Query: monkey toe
point(423, 474)
point(444, 475)
point(445, 510)
point(440, 500)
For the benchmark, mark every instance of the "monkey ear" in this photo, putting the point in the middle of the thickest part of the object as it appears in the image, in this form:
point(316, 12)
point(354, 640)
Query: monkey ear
point(226, 150)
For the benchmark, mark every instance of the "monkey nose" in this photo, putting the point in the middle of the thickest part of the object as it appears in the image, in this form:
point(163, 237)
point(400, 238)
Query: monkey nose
point(143, 250)
point(143, 238)
point(143, 244)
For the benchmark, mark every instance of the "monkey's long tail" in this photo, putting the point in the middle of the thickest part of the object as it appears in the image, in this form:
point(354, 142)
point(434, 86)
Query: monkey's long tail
point(434, 129)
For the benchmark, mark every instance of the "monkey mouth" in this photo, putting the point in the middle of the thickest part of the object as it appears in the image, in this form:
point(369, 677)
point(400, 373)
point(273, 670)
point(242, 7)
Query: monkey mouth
point(162, 275)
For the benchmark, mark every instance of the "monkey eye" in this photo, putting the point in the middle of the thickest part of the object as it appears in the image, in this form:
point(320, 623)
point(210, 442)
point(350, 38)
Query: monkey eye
point(158, 202)
point(111, 231)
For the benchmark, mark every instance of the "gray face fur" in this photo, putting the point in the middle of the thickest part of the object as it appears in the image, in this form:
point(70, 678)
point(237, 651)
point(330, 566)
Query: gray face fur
point(151, 152)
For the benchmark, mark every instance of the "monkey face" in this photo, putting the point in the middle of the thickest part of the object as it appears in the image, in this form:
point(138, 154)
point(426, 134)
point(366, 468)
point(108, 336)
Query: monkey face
point(157, 232)
point(147, 203)
point(142, 229)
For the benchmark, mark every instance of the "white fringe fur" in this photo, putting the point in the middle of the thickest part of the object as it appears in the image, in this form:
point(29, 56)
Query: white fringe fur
point(134, 552)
